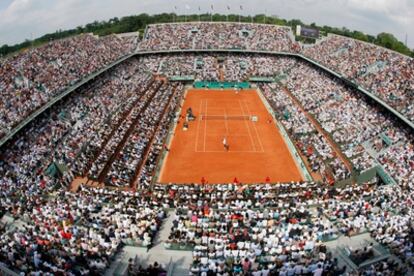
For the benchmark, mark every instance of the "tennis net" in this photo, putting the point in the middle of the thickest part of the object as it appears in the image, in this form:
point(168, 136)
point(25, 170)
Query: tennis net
point(224, 117)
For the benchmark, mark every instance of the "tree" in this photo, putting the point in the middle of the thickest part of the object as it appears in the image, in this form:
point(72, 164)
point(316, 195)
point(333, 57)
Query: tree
point(360, 36)
point(389, 41)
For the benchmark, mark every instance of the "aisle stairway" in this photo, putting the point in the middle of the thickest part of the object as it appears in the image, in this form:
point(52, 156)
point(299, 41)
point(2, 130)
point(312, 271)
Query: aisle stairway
point(180, 260)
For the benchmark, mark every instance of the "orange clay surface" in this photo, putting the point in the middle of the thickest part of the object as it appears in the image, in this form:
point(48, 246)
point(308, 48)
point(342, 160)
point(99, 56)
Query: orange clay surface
point(256, 149)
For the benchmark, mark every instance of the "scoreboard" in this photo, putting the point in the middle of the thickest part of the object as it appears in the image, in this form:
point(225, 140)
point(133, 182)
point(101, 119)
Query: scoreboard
point(307, 32)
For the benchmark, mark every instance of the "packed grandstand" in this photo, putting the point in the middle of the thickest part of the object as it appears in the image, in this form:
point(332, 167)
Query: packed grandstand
point(80, 179)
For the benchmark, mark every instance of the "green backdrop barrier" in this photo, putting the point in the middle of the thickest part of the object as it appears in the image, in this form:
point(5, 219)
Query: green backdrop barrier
point(221, 85)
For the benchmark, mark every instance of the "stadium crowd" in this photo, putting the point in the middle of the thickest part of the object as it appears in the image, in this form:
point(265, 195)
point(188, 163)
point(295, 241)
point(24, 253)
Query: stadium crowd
point(253, 241)
point(79, 233)
point(387, 74)
point(281, 227)
point(215, 67)
point(353, 121)
point(124, 168)
point(120, 133)
point(210, 35)
point(114, 130)
point(355, 124)
point(309, 141)
point(59, 136)
point(32, 78)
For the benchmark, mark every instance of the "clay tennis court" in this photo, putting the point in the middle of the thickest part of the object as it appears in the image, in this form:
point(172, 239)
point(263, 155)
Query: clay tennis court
point(256, 149)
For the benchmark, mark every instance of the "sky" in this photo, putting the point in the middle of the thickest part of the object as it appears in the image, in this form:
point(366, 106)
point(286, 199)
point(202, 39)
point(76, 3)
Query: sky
point(27, 19)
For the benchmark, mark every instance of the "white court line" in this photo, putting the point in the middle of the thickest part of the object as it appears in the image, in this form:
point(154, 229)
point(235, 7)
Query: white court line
point(254, 127)
point(225, 122)
point(205, 126)
point(198, 126)
point(248, 128)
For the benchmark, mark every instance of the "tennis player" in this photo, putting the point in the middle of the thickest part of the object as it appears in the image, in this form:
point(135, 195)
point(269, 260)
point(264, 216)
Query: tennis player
point(226, 146)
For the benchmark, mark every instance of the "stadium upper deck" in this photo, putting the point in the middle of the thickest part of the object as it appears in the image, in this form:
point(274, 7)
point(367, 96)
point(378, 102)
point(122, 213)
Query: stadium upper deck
point(219, 35)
